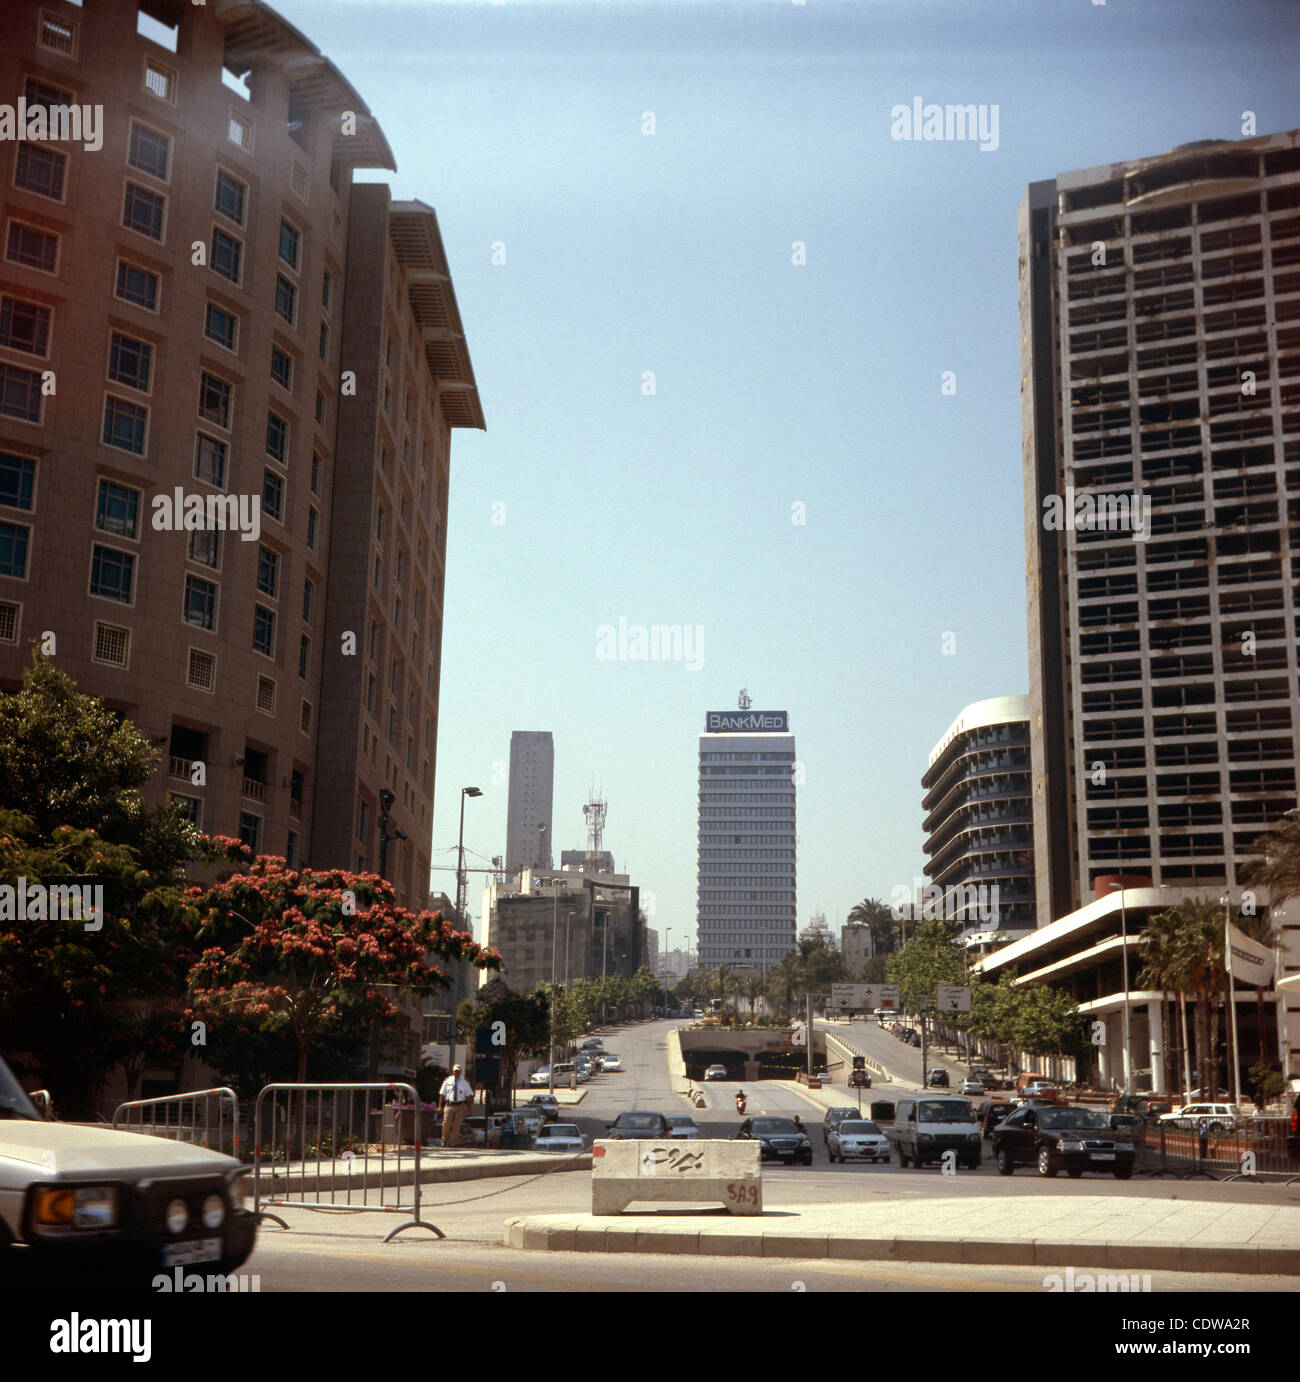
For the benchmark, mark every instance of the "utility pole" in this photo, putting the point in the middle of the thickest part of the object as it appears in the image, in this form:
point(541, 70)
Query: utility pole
point(460, 920)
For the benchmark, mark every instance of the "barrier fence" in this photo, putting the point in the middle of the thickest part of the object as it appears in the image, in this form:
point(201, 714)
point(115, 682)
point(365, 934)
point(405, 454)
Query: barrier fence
point(1190, 1146)
point(339, 1147)
point(204, 1118)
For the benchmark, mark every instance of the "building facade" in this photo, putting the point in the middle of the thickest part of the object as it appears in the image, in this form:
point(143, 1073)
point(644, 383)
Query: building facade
point(1160, 322)
point(219, 364)
point(528, 810)
point(747, 844)
point(979, 819)
point(855, 945)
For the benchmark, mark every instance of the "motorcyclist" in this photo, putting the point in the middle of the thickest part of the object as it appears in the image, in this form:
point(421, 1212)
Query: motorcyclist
point(741, 1096)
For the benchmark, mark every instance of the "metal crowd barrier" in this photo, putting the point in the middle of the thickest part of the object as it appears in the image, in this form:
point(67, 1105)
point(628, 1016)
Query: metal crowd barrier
point(337, 1147)
point(205, 1118)
point(1183, 1147)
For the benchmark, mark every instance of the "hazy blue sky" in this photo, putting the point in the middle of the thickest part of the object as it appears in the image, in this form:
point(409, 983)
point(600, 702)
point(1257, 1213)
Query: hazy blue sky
point(775, 384)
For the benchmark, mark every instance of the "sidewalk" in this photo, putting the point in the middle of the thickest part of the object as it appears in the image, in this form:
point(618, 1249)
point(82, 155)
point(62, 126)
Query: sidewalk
point(1130, 1235)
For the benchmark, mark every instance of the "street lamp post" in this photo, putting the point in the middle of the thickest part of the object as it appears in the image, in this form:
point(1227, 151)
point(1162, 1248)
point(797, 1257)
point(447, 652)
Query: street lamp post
point(555, 926)
point(668, 930)
point(1232, 1007)
point(460, 919)
point(1123, 927)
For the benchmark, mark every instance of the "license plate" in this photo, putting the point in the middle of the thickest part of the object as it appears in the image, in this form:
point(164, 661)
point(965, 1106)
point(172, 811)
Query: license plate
point(200, 1250)
point(1103, 1156)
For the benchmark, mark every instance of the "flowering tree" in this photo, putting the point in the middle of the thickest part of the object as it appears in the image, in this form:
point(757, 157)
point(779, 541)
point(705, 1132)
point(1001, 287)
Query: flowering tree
point(317, 954)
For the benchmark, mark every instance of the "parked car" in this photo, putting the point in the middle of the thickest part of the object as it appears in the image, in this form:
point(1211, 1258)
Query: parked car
point(716, 1072)
point(608, 1063)
point(1062, 1137)
point(531, 1117)
point(560, 1137)
point(857, 1137)
point(485, 1132)
point(990, 1113)
point(1128, 1124)
point(779, 1139)
point(593, 1044)
point(120, 1205)
point(1216, 1117)
point(926, 1126)
point(548, 1104)
point(562, 1070)
point(914, 1039)
point(540, 1077)
point(834, 1117)
point(972, 1088)
point(697, 1014)
point(682, 1125)
point(1042, 1089)
point(938, 1077)
point(639, 1125)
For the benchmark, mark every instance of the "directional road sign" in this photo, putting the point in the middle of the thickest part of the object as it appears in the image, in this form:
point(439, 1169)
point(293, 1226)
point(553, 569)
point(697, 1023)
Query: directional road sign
point(953, 998)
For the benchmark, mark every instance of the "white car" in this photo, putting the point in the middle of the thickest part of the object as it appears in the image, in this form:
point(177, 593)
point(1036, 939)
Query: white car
point(540, 1077)
point(608, 1063)
point(560, 1137)
point(682, 1125)
point(716, 1072)
point(1217, 1117)
point(854, 1138)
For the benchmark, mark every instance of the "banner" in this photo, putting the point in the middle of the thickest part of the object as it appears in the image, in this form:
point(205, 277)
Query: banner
point(1249, 961)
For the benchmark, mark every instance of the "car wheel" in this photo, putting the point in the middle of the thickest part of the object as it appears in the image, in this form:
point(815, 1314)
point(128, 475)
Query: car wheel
point(1045, 1167)
point(1123, 1173)
point(1073, 1174)
point(1005, 1165)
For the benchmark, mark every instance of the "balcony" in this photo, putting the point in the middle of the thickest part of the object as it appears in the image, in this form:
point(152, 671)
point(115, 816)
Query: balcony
point(254, 790)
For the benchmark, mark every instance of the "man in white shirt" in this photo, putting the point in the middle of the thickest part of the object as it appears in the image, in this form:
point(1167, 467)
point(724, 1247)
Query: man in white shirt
point(453, 1099)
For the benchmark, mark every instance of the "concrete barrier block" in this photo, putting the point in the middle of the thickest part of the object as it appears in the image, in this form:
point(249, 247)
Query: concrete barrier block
point(721, 1172)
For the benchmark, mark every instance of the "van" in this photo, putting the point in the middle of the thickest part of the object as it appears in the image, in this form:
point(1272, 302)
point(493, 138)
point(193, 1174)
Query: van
point(927, 1126)
point(561, 1071)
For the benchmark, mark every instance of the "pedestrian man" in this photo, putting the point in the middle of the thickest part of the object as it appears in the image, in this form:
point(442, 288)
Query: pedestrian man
point(453, 1099)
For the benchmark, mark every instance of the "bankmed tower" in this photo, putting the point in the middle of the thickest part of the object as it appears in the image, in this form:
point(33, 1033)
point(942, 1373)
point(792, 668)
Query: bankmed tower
point(746, 890)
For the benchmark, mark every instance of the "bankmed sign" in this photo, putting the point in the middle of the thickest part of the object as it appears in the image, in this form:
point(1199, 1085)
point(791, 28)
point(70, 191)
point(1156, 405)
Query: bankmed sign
point(747, 721)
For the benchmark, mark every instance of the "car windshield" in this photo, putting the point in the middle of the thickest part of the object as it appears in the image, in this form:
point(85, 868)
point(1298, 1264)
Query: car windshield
point(681, 1120)
point(563, 1130)
point(936, 1111)
point(836, 1114)
point(14, 1103)
point(771, 1125)
point(638, 1121)
point(858, 1126)
point(1056, 1118)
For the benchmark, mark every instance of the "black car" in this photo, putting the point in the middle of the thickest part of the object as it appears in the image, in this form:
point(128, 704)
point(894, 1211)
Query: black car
point(991, 1112)
point(1054, 1137)
point(938, 1076)
point(639, 1125)
point(779, 1139)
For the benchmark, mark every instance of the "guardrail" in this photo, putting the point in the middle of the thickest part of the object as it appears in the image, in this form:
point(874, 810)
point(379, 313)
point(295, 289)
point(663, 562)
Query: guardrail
point(212, 1121)
point(337, 1147)
point(1187, 1147)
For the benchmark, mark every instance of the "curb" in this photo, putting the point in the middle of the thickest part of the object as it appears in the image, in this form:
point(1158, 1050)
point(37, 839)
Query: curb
point(535, 1235)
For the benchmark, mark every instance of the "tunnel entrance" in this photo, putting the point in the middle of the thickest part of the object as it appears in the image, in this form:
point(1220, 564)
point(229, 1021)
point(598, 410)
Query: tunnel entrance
point(698, 1061)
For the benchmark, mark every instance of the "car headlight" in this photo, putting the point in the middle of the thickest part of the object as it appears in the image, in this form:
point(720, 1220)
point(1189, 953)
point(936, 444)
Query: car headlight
point(1123, 1146)
point(177, 1216)
point(214, 1211)
point(925, 1137)
point(87, 1206)
point(1071, 1146)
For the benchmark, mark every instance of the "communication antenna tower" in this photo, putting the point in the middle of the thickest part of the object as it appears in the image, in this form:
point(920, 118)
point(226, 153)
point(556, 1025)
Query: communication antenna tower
point(594, 812)
point(743, 702)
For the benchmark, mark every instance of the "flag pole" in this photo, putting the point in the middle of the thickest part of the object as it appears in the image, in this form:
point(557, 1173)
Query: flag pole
point(1232, 1008)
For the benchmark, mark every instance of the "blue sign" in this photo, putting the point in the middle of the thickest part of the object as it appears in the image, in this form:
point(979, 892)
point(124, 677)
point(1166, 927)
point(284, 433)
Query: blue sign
point(747, 722)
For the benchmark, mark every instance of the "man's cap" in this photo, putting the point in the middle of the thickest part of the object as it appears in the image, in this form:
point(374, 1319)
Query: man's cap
point(455, 1067)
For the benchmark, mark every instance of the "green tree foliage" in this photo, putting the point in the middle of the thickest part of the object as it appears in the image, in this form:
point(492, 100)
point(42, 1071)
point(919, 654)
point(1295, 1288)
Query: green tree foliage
point(927, 960)
point(879, 917)
point(525, 1024)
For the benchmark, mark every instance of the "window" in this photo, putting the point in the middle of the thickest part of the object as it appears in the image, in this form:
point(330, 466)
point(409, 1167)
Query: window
point(304, 656)
point(142, 211)
point(379, 523)
point(219, 326)
point(286, 298)
point(290, 244)
point(277, 438)
point(323, 349)
point(205, 547)
point(41, 170)
point(228, 200)
point(17, 478)
point(210, 460)
point(304, 717)
point(112, 645)
point(159, 81)
point(186, 807)
point(395, 676)
point(266, 695)
point(291, 842)
point(308, 590)
point(13, 550)
point(326, 289)
point(250, 830)
point(137, 286)
point(226, 252)
point(24, 326)
point(35, 249)
point(320, 408)
point(240, 131)
point(149, 151)
point(370, 694)
point(273, 496)
point(315, 474)
point(379, 572)
point(129, 362)
point(214, 400)
point(299, 180)
point(117, 510)
point(281, 368)
point(124, 425)
point(312, 524)
point(263, 631)
point(200, 603)
point(268, 572)
point(20, 393)
point(111, 574)
point(374, 641)
point(57, 35)
point(201, 671)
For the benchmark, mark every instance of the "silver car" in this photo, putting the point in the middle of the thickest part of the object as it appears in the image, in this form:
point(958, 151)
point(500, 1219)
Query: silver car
point(857, 1138)
point(683, 1125)
point(560, 1137)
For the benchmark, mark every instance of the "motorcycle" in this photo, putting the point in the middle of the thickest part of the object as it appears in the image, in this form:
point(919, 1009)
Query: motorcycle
point(740, 1103)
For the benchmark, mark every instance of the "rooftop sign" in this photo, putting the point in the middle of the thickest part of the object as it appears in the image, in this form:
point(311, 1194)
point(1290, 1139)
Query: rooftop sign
point(747, 721)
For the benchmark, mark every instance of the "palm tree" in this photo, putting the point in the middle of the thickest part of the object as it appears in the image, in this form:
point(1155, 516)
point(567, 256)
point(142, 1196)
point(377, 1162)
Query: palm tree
point(753, 987)
point(1160, 970)
point(1197, 926)
point(1278, 867)
point(873, 913)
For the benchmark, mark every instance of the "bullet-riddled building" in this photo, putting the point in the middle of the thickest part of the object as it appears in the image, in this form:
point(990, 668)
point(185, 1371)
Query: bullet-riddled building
point(198, 306)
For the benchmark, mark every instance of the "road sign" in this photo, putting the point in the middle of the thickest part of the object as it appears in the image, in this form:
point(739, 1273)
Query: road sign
point(844, 996)
point(889, 997)
point(952, 998)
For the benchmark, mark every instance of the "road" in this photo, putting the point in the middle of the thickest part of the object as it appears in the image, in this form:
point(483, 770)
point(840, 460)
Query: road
point(321, 1253)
